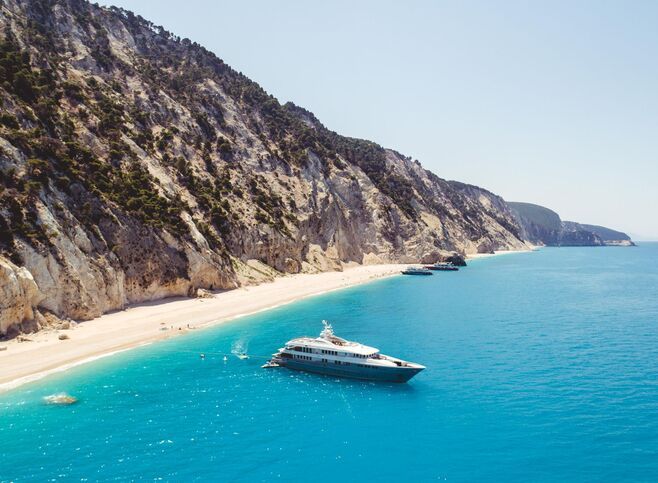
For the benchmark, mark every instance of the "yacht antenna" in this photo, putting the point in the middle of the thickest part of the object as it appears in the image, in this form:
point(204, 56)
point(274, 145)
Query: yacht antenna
point(328, 331)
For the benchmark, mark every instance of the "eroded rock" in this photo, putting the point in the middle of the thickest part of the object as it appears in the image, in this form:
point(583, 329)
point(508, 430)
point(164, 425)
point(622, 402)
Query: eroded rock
point(19, 296)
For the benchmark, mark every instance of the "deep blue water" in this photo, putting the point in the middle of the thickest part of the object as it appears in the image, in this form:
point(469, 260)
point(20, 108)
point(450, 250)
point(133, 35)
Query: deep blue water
point(541, 366)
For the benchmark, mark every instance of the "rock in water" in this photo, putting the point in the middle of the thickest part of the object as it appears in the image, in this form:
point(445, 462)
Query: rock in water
point(61, 399)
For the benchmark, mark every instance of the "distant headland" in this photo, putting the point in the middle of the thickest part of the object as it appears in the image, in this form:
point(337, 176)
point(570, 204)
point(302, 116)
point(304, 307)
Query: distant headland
point(543, 226)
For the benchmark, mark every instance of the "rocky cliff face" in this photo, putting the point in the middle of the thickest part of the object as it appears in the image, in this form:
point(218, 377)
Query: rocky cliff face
point(542, 226)
point(135, 165)
point(608, 236)
point(19, 296)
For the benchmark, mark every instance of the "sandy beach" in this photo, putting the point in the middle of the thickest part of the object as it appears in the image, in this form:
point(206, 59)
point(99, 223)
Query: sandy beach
point(475, 256)
point(44, 353)
point(141, 324)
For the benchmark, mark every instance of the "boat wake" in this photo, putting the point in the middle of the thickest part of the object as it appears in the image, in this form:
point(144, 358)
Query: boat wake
point(239, 349)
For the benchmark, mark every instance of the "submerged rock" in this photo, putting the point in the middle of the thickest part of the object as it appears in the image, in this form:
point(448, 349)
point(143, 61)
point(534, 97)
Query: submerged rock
point(61, 399)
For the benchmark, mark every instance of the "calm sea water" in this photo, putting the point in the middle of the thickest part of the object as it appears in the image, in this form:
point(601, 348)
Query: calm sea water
point(541, 366)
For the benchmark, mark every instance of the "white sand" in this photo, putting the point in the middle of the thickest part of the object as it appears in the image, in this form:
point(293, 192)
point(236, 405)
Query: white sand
point(142, 324)
point(23, 362)
point(474, 256)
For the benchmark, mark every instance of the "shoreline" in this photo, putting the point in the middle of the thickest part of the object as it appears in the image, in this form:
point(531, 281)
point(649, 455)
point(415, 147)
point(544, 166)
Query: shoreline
point(149, 322)
point(143, 324)
point(476, 256)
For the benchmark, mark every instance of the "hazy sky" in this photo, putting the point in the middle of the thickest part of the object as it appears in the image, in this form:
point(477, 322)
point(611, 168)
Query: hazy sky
point(550, 102)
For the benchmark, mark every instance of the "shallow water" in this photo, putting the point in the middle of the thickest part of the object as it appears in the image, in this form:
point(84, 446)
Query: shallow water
point(541, 366)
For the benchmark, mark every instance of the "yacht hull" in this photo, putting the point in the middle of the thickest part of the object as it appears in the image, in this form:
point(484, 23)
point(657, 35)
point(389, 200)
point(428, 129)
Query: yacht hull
point(367, 373)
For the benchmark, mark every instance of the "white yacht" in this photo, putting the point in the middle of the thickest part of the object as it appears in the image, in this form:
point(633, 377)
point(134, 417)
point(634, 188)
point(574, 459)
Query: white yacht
point(331, 355)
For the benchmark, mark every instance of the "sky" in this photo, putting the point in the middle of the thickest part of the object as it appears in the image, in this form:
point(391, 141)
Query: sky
point(554, 103)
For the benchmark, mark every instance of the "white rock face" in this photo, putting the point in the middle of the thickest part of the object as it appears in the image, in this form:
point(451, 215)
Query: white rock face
point(286, 196)
point(19, 295)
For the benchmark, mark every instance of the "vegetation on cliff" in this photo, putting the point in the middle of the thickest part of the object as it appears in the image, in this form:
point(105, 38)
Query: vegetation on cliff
point(136, 165)
point(543, 226)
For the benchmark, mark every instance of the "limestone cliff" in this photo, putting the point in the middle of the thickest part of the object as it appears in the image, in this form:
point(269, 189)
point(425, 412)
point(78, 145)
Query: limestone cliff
point(135, 165)
point(19, 295)
point(545, 227)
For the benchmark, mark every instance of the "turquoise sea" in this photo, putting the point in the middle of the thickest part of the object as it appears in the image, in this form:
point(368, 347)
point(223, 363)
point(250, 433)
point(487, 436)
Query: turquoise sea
point(540, 366)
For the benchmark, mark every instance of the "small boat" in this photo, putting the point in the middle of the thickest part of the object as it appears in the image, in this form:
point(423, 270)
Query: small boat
point(443, 266)
point(417, 271)
point(269, 365)
point(332, 356)
point(61, 399)
point(243, 356)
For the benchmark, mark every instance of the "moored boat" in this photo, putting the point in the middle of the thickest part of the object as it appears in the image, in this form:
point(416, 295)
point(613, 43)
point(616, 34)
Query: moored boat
point(417, 271)
point(333, 356)
point(442, 266)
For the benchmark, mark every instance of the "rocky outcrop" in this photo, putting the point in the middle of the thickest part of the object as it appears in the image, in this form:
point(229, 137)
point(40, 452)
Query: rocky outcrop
point(455, 258)
point(545, 227)
point(19, 296)
point(135, 165)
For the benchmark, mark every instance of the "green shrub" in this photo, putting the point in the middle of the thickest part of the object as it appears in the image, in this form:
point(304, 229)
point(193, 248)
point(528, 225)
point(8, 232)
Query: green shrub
point(9, 121)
